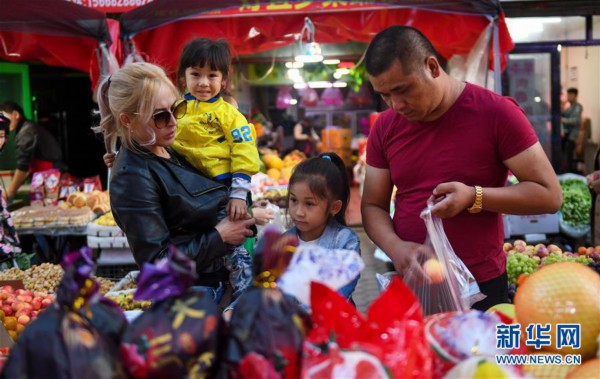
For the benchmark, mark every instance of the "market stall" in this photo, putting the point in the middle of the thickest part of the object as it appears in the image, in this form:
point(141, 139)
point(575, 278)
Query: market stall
point(157, 31)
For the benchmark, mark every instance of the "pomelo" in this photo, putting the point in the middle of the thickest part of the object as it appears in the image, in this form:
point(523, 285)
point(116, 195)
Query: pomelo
point(562, 293)
point(589, 369)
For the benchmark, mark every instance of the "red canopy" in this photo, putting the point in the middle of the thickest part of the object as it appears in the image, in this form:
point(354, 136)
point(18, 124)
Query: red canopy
point(160, 29)
point(31, 31)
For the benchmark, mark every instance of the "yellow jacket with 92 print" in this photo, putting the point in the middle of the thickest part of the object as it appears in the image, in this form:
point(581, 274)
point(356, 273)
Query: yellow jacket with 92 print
point(217, 139)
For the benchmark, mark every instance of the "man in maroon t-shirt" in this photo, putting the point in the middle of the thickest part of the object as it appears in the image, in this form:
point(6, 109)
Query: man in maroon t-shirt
point(454, 142)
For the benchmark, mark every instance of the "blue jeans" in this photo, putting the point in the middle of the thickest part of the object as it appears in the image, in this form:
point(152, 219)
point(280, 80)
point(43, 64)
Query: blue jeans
point(215, 293)
point(239, 264)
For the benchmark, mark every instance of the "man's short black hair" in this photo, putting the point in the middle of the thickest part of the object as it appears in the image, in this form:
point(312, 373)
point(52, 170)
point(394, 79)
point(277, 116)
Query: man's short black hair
point(11, 106)
point(403, 43)
point(573, 90)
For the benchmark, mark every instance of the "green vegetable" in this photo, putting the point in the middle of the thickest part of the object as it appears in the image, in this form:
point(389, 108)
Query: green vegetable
point(577, 202)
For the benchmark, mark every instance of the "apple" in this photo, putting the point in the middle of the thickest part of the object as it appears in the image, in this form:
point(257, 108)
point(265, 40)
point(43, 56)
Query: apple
point(7, 309)
point(434, 270)
point(519, 243)
point(47, 301)
point(33, 314)
point(553, 248)
point(24, 298)
point(506, 312)
point(507, 247)
point(21, 312)
point(23, 319)
point(36, 304)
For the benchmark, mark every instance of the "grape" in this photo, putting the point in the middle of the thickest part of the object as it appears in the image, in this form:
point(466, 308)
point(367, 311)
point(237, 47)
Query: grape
point(595, 266)
point(553, 258)
point(517, 264)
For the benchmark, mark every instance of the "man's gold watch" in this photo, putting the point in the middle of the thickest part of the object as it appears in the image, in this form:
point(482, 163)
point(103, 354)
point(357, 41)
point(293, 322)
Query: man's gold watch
point(478, 204)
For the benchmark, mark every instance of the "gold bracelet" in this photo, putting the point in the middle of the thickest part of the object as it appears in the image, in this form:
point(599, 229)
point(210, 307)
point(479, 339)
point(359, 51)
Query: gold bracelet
point(478, 204)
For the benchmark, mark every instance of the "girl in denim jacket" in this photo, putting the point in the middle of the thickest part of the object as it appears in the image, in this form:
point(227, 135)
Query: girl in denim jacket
point(318, 196)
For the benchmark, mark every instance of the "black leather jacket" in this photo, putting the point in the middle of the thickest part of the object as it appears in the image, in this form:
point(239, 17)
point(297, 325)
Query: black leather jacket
point(158, 202)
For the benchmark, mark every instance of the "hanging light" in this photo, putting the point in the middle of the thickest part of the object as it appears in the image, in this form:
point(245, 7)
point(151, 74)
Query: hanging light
point(310, 52)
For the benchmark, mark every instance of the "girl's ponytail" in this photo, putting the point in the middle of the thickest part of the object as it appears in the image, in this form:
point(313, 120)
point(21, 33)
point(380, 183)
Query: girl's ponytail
point(340, 190)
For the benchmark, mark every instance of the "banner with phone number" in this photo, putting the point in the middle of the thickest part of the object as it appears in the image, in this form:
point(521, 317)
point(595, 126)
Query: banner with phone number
point(111, 6)
point(120, 6)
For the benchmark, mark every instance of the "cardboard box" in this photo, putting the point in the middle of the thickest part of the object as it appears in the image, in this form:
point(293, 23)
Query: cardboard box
point(336, 138)
point(521, 225)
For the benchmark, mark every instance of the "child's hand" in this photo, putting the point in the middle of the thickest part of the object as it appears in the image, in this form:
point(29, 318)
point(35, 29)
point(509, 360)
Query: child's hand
point(237, 210)
point(262, 215)
point(109, 158)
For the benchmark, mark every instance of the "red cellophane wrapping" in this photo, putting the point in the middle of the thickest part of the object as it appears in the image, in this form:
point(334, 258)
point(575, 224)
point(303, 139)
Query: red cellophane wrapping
point(392, 331)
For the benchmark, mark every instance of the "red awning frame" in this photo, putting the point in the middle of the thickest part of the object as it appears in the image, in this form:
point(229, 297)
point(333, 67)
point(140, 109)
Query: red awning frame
point(84, 39)
point(157, 32)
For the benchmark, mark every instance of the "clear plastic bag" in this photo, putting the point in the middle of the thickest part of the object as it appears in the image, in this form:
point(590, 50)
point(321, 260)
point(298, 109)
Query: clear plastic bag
point(457, 290)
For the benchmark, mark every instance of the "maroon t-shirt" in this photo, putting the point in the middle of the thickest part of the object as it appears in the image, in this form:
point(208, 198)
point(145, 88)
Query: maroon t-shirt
point(466, 144)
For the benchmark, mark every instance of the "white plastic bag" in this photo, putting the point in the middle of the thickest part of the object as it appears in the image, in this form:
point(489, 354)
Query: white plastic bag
point(332, 267)
point(458, 290)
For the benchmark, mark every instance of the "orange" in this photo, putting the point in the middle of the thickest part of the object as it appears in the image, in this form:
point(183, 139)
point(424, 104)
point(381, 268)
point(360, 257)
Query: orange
point(10, 323)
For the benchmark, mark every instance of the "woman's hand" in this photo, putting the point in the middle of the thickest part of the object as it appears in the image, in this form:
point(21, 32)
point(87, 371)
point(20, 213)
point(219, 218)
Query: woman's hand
point(235, 232)
point(109, 158)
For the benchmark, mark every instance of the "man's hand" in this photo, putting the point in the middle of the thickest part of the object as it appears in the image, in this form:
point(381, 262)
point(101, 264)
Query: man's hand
point(451, 198)
point(409, 258)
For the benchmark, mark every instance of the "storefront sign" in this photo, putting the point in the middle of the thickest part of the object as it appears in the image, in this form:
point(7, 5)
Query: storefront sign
point(111, 6)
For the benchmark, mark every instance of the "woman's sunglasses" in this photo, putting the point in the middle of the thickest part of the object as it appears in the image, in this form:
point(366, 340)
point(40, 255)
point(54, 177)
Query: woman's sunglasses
point(162, 118)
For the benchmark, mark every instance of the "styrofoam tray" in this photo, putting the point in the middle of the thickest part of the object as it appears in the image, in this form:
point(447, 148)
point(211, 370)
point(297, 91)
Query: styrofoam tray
point(103, 231)
point(107, 242)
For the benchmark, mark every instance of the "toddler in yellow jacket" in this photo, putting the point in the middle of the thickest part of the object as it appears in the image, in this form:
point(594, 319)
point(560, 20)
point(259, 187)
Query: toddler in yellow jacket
point(216, 138)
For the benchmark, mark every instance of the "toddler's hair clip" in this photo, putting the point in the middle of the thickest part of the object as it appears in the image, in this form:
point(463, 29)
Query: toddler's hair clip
point(326, 157)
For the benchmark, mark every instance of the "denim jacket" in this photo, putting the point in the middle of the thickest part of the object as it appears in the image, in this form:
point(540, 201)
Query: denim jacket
point(338, 236)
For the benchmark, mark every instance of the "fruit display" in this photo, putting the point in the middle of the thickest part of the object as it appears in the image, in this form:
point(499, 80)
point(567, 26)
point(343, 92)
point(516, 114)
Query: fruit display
point(19, 307)
point(523, 259)
point(280, 170)
point(277, 197)
point(107, 219)
point(125, 300)
point(45, 278)
point(562, 293)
